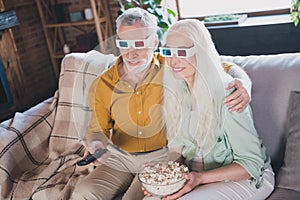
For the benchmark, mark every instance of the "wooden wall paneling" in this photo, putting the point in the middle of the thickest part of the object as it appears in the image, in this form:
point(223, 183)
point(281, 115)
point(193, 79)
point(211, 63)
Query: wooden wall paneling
point(13, 71)
point(26, 60)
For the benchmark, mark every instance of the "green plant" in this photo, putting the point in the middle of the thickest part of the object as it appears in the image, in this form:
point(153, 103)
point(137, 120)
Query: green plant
point(295, 12)
point(226, 17)
point(164, 14)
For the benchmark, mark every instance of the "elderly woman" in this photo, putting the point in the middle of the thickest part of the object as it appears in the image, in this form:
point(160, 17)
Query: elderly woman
point(226, 157)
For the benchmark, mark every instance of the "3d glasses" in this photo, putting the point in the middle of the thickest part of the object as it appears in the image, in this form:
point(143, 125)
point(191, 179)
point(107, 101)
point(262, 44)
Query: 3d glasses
point(179, 52)
point(136, 44)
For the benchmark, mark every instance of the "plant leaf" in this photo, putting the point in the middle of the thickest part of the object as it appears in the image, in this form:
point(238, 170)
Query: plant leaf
point(158, 12)
point(163, 24)
point(293, 15)
point(157, 2)
point(171, 12)
point(296, 22)
point(151, 10)
point(170, 19)
point(151, 4)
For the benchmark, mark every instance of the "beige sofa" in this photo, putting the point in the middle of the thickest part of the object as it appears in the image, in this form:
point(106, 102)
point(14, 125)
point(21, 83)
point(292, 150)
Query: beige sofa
point(276, 114)
point(39, 148)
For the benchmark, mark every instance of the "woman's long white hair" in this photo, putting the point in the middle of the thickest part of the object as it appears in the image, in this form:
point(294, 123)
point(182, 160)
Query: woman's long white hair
point(208, 91)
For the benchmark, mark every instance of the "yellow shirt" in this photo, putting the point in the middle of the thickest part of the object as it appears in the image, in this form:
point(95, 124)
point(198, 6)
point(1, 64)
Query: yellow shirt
point(131, 117)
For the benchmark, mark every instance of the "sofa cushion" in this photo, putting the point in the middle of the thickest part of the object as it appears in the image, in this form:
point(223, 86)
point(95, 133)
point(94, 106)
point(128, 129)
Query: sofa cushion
point(289, 174)
point(280, 194)
point(273, 77)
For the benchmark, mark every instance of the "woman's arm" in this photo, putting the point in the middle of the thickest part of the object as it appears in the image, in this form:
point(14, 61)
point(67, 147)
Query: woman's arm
point(232, 172)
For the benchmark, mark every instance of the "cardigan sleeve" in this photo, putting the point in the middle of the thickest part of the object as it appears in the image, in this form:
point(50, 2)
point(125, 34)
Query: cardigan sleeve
point(248, 149)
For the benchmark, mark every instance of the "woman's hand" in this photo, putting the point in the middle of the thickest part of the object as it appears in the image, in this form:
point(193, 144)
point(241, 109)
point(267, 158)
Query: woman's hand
point(193, 179)
point(146, 193)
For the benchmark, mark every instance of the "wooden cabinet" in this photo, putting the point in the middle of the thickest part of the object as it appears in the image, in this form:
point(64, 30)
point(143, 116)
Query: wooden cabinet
point(55, 32)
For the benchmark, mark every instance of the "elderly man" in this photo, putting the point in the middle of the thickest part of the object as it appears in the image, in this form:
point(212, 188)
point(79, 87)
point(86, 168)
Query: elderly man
point(127, 116)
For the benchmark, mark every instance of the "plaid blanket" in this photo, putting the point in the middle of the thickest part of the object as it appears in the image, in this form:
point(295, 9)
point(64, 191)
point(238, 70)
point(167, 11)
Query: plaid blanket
point(39, 148)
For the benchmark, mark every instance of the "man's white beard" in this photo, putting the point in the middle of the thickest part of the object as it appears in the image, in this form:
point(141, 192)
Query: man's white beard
point(145, 63)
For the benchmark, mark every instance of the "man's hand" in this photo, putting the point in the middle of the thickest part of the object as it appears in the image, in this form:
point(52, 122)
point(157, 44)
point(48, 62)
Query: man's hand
point(93, 146)
point(239, 99)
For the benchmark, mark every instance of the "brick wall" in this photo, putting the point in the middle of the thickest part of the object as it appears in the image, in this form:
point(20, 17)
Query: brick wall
point(35, 64)
point(114, 8)
point(37, 70)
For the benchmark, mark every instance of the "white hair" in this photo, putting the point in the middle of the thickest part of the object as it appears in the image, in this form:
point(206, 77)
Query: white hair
point(133, 15)
point(208, 91)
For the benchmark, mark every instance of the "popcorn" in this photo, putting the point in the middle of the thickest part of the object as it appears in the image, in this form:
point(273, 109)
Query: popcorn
point(163, 179)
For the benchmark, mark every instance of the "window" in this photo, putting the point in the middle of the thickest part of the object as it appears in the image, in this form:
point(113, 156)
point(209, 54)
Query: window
point(201, 8)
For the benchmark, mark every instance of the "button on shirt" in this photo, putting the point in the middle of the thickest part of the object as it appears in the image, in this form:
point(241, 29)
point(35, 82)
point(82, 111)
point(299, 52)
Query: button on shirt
point(133, 115)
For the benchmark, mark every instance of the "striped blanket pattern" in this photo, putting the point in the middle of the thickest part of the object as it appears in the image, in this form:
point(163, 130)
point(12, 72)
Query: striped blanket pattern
point(39, 147)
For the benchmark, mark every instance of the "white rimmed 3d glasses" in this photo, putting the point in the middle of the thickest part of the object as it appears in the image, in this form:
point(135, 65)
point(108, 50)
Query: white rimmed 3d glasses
point(179, 52)
point(136, 44)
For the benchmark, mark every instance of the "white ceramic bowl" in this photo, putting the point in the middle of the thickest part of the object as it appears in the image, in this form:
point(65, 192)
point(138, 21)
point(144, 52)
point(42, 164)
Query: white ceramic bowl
point(160, 179)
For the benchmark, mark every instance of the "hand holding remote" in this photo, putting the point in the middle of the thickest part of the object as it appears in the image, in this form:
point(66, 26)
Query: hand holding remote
point(91, 157)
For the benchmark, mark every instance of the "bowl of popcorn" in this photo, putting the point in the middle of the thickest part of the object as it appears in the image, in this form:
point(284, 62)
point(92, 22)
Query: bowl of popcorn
point(162, 179)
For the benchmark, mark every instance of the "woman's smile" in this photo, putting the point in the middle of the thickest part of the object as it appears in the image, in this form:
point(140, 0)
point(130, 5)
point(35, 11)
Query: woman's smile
point(178, 69)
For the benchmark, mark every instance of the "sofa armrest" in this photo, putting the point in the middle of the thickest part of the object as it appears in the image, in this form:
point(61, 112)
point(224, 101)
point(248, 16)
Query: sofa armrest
point(24, 140)
point(78, 71)
point(39, 148)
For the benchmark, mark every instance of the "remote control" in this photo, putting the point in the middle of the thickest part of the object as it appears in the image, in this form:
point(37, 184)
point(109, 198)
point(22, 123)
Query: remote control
point(91, 157)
